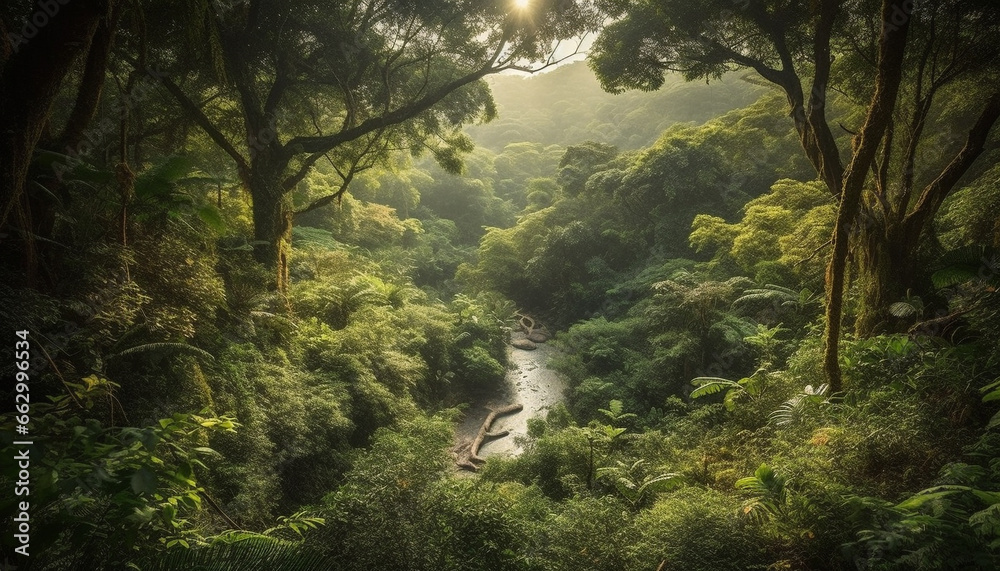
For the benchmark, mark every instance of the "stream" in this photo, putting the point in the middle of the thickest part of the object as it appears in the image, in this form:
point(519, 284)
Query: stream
point(533, 384)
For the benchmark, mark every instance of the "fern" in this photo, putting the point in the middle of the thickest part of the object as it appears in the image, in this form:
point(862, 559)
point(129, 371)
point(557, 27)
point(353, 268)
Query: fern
point(777, 295)
point(795, 407)
point(752, 387)
point(767, 492)
point(615, 414)
point(992, 393)
point(912, 306)
point(247, 552)
point(164, 348)
point(634, 485)
point(967, 264)
point(711, 385)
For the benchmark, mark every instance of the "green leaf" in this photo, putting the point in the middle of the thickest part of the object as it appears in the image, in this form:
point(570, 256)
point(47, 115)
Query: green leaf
point(903, 309)
point(169, 512)
point(920, 499)
point(612, 432)
point(150, 438)
point(710, 386)
point(144, 481)
point(174, 168)
point(212, 218)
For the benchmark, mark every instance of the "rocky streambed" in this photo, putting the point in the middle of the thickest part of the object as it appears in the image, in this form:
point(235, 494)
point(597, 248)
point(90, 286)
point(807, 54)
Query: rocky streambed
point(532, 384)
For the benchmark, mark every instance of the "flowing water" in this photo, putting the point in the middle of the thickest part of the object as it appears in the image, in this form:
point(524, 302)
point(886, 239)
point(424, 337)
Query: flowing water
point(531, 383)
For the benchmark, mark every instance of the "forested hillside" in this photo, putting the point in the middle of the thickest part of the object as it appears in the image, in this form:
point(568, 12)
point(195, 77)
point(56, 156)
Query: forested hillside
point(567, 105)
point(262, 261)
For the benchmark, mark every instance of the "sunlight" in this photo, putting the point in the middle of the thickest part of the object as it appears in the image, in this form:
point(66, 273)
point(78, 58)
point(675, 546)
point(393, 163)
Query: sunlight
point(522, 4)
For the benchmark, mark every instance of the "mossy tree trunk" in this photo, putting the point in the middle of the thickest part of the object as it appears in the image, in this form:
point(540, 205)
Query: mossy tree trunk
point(36, 59)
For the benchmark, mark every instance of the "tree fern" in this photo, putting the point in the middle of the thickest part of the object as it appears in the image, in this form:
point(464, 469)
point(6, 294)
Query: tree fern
point(615, 413)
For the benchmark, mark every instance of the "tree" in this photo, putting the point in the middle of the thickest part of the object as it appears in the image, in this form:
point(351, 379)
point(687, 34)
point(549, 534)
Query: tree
point(901, 62)
point(38, 48)
point(351, 83)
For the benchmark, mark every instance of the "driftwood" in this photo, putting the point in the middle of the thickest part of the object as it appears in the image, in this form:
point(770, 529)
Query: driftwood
point(468, 456)
point(526, 323)
point(532, 332)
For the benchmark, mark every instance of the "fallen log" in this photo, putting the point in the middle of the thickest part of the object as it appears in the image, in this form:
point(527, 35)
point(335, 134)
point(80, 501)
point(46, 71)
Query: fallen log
point(469, 459)
point(532, 332)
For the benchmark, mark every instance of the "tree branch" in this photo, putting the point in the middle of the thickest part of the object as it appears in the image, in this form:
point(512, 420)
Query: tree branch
point(326, 143)
point(934, 193)
point(321, 202)
point(199, 117)
point(92, 83)
point(819, 138)
point(290, 182)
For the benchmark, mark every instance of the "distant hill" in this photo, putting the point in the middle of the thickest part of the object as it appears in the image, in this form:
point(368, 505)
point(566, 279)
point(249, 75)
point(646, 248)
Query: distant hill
point(567, 106)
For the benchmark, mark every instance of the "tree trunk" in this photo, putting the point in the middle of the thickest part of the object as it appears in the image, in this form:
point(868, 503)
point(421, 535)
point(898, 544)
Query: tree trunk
point(885, 273)
point(42, 53)
point(272, 221)
point(887, 247)
point(892, 47)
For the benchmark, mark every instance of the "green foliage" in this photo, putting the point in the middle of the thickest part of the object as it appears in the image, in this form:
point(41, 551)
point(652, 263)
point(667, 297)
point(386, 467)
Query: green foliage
point(751, 387)
point(251, 553)
point(785, 228)
point(695, 528)
point(398, 495)
point(773, 302)
point(660, 240)
point(767, 493)
point(91, 482)
point(802, 404)
point(160, 192)
point(635, 484)
point(948, 526)
point(587, 533)
point(368, 225)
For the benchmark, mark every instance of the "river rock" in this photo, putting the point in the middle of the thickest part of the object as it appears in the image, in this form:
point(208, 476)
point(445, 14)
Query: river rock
point(523, 344)
point(538, 337)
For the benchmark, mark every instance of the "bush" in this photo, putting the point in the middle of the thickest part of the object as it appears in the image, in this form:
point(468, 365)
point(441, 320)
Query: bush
point(695, 528)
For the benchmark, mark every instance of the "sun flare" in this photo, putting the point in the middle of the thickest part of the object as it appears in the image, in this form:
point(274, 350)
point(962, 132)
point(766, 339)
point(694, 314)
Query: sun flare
point(522, 4)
